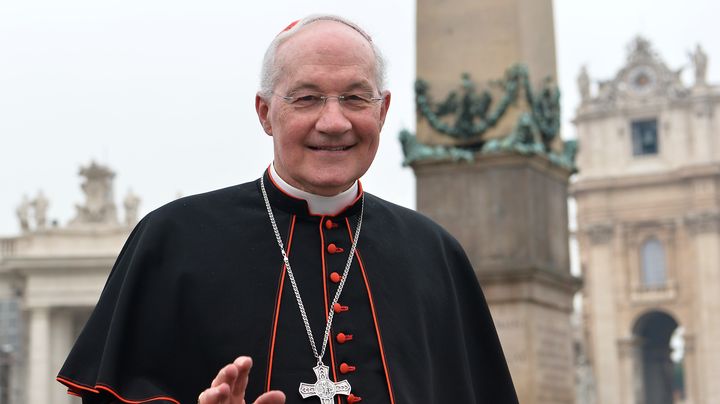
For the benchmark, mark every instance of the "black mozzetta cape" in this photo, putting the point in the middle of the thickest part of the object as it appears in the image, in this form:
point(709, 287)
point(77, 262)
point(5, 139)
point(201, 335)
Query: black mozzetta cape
point(201, 281)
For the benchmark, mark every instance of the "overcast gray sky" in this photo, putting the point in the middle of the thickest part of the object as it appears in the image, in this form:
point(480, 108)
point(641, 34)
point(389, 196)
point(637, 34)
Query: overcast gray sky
point(162, 91)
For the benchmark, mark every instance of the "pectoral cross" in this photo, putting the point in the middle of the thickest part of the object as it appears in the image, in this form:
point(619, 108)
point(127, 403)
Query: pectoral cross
point(324, 388)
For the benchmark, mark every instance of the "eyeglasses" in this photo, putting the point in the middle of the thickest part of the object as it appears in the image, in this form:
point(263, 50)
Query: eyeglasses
point(312, 101)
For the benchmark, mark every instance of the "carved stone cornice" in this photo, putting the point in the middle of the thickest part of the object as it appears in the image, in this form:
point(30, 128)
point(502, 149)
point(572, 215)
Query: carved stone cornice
point(701, 223)
point(676, 177)
point(600, 233)
point(652, 224)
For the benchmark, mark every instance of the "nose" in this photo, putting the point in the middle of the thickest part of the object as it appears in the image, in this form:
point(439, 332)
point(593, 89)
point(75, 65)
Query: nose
point(332, 119)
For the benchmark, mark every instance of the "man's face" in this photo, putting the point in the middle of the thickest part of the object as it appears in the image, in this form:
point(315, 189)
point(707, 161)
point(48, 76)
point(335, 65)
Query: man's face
point(324, 149)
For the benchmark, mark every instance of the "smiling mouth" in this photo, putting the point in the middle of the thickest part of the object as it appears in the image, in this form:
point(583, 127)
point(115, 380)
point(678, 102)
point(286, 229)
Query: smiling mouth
point(330, 148)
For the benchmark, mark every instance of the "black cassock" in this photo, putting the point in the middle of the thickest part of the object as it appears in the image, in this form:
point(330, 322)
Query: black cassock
point(201, 281)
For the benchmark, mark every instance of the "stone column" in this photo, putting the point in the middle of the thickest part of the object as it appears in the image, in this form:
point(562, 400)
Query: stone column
point(597, 241)
point(704, 229)
point(63, 336)
point(39, 374)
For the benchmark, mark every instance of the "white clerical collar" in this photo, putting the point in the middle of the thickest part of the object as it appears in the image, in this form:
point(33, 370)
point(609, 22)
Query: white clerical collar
point(318, 204)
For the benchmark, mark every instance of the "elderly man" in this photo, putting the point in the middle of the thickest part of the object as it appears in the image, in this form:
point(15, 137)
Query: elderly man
point(337, 295)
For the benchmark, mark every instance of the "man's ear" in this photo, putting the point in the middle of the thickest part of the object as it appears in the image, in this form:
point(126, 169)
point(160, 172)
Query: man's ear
point(384, 107)
point(262, 108)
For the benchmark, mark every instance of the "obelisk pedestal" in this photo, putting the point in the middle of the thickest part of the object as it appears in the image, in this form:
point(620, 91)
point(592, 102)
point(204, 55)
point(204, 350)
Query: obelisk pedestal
point(510, 214)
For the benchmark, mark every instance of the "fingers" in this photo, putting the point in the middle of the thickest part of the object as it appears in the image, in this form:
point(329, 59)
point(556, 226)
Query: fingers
point(229, 386)
point(215, 395)
point(242, 366)
point(227, 375)
point(221, 388)
point(271, 397)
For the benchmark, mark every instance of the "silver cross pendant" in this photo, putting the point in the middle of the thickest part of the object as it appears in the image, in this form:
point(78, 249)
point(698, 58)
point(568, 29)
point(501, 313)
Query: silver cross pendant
point(324, 388)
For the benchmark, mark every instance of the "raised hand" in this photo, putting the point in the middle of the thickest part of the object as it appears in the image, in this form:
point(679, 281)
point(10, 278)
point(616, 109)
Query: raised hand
point(229, 386)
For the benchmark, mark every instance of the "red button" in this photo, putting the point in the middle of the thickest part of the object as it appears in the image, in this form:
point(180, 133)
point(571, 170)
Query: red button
point(330, 225)
point(343, 338)
point(333, 249)
point(345, 368)
point(335, 277)
point(352, 398)
point(340, 308)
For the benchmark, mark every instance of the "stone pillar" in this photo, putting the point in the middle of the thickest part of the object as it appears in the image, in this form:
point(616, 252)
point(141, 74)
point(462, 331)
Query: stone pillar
point(510, 214)
point(705, 232)
point(39, 373)
point(63, 336)
point(597, 241)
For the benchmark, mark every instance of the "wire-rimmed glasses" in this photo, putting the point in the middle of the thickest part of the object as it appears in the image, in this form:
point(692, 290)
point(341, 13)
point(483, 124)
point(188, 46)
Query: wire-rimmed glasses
point(313, 101)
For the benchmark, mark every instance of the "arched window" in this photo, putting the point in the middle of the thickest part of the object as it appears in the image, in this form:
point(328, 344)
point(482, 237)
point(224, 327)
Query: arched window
point(654, 271)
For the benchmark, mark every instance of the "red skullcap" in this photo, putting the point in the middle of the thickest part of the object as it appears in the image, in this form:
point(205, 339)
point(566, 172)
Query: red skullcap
point(292, 24)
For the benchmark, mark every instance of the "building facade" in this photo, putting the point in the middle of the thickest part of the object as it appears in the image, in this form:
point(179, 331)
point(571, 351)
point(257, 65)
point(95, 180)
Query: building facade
point(51, 277)
point(648, 200)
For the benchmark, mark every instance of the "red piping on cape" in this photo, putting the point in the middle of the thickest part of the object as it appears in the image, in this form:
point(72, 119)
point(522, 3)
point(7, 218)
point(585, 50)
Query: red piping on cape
point(77, 388)
point(278, 301)
point(357, 198)
point(372, 309)
point(325, 298)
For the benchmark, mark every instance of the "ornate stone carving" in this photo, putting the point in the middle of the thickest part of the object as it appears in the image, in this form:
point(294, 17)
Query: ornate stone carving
point(704, 222)
point(40, 204)
point(600, 233)
point(99, 206)
point(131, 203)
point(23, 214)
point(535, 131)
point(583, 82)
point(644, 75)
point(474, 115)
point(416, 151)
point(699, 60)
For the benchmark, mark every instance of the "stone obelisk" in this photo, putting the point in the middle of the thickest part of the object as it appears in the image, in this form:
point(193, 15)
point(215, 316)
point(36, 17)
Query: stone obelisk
point(491, 168)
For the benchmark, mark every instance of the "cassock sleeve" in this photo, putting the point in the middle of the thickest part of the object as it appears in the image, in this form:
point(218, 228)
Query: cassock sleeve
point(127, 349)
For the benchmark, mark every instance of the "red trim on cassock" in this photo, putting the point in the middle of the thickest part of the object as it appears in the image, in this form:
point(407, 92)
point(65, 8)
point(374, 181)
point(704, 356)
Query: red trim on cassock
point(76, 389)
point(372, 309)
point(278, 302)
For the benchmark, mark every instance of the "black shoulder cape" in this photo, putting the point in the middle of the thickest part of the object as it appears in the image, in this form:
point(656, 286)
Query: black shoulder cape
point(201, 281)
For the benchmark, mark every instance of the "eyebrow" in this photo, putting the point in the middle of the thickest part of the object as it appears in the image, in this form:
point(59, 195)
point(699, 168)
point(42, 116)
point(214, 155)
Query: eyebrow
point(358, 85)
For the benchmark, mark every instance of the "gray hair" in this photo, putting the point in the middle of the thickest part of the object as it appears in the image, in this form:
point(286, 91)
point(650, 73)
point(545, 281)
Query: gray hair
point(270, 71)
